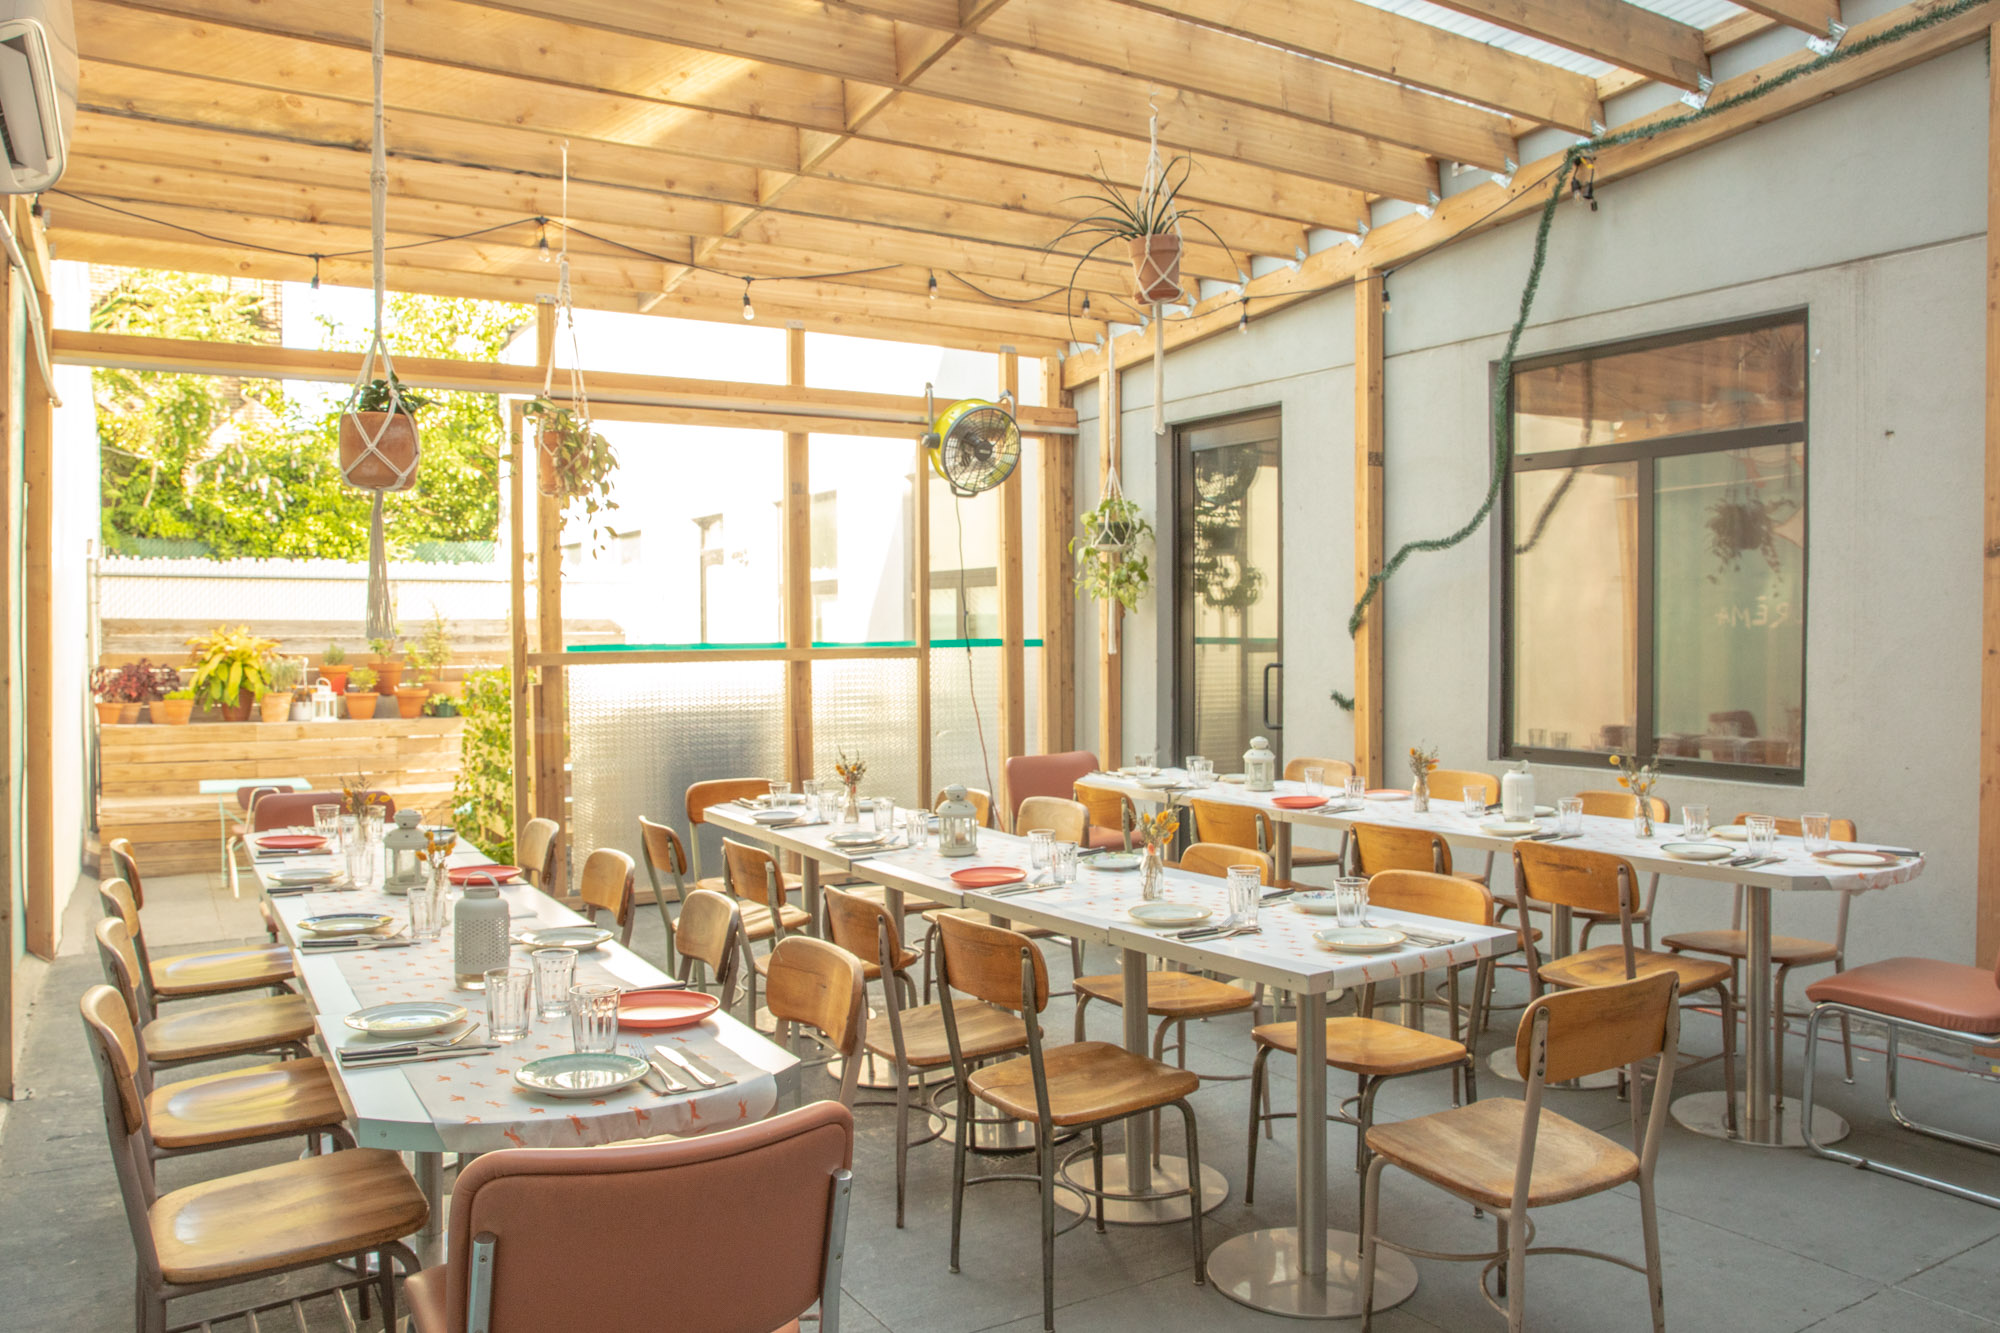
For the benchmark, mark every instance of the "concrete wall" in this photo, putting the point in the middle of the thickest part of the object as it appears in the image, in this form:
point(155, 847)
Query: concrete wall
point(1868, 211)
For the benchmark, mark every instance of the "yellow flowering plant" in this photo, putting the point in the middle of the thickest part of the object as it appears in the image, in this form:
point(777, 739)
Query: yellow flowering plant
point(1423, 760)
point(1636, 777)
point(1158, 829)
point(850, 770)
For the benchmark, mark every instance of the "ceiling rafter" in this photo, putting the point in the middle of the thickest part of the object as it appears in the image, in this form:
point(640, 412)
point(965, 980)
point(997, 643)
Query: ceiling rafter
point(1613, 31)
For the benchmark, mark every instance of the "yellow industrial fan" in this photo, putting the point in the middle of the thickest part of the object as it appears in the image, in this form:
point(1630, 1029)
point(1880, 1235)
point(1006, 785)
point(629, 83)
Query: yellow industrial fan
point(975, 445)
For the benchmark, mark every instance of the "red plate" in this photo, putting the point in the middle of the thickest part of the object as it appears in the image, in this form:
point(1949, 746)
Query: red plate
point(664, 1009)
point(1298, 802)
point(483, 874)
point(1388, 794)
point(987, 877)
point(303, 842)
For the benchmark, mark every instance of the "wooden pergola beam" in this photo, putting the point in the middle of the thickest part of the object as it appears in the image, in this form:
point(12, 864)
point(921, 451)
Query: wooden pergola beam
point(1370, 713)
point(1615, 32)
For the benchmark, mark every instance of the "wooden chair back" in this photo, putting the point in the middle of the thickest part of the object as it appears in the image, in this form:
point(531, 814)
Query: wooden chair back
point(503, 1273)
point(856, 924)
point(126, 863)
point(294, 809)
point(720, 791)
point(1840, 830)
point(821, 985)
point(537, 852)
point(115, 897)
point(755, 876)
point(105, 1014)
point(1232, 824)
point(985, 962)
point(247, 796)
point(1449, 784)
point(1068, 820)
point(1595, 1028)
point(982, 801)
point(1333, 772)
point(1044, 775)
point(664, 855)
point(120, 965)
point(1426, 894)
point(114, 1048)
point(607, 884)
point(1561, 876)
point(1618, 804)
point(1108, 809)
point(1215, 858)
point(707, 933)
point(1380, 847)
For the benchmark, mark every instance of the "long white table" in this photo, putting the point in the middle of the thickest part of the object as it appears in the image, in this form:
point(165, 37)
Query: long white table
point(1305, 1270)
point(1760, 1121)
point(386, 1107)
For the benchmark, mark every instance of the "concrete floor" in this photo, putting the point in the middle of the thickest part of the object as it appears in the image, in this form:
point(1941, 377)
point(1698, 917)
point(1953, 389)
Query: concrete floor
point(1755, 1241)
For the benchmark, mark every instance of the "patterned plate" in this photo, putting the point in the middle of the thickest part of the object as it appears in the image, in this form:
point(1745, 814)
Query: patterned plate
point(853, 841)
point(1359, 939)
point(1315, 902)
point(294, 876)
point(346, 923)
point(583, 1074)
point(1114, 861)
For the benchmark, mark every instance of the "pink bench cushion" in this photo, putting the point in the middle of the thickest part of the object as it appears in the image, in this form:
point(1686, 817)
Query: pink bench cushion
point(1923, 990)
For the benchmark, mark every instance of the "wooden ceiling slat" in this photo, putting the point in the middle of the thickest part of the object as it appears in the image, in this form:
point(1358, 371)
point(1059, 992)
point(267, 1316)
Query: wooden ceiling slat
point(1615, 32)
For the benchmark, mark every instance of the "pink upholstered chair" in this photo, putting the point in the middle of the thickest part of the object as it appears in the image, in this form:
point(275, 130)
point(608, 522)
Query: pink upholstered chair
point(526, 1223)
point(1044, 775)
point(1951, 1002)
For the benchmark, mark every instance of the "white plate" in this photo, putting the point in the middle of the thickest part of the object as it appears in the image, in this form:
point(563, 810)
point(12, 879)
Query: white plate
point(784, 816)
point(1510, 828)
point(294, 876)
point(1867, 860)
point(1315, 902)
point(1114, 861)
point(850, 840)
point(1159, 783)
point(346, 923)
point(581, 1074)
point(1359, 939)
point(412, 1018)
point(1730, 833)
point(1544, 811)
point(580, 938)
point(1170, 914)
point(1236, 778)
point(1697, 851)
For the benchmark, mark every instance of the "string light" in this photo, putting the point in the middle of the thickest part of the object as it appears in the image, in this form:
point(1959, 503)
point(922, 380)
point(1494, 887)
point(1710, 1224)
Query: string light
point(933, 287)
point(1086, 305)
point(1385, 296)
point(749, 311)
point(542, 240)
point(1243, 314)
point(315, 285)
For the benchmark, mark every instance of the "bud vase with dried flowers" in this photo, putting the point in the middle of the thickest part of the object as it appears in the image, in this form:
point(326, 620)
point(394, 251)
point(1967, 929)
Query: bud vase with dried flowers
point(851, 772)
point(1156, 833)
point(1638, 779)
point(1422, 761)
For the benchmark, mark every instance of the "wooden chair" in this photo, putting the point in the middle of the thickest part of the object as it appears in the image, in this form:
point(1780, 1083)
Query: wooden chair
point(1334, 773)
point(1068, 820)
point(1372, 1050)
point(1787, 951)
point(982, 801)
point(1577, 878)
point(1214, 859)
point(1043, 775)
point(822, 986)
point(1452, 784)
point(1380, 847)
point(126, 862)
point(541, 840)
point(1510, 1157)
point(661, 850)
point(1086, 1085)
point(1231, 824)
point(191, 1034)
point(258, 1224)
point(784, 1182)
point(606, 885)
point(709, 934)
point(1112, 817)
point(195, 975)
point(716, 791)
point(1623, 805)
point(758, 884)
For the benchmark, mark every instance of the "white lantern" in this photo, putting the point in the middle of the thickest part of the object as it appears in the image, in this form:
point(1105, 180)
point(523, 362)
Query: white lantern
point(1260, 766)
point(958, 824)
point(404, 845)
point(325, 703)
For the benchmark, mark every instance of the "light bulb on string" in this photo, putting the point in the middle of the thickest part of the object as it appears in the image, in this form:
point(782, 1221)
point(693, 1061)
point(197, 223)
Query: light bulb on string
point(749, 311)
point(1086, 305)
point(932, 287)
point(1243, 315)
point(542, 240)
point(315, 285)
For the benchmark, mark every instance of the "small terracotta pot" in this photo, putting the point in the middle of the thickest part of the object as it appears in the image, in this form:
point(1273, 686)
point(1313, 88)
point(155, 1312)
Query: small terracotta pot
point(109, 711)
point(1156, 267)
point(388, 673)
point(361, 704)
point(128, 713)
point(336, 677)
point(546, 480)
point(173, 712)
point(238, 711)
point(276, 707)
point(410, 700)
point(397, 442)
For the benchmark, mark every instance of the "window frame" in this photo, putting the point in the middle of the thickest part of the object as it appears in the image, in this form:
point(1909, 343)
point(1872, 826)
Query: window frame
point(1646, 454)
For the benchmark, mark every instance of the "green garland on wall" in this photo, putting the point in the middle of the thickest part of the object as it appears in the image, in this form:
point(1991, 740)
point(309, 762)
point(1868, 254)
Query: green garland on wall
point(1576, 155)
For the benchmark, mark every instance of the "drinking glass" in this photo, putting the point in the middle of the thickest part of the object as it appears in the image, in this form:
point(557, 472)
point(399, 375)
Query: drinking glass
point(1041, 842)
point(1569, 814)
point(593, 1017)
point(1200, 771)
point(809, 789)
point(423, 914)
point(778, 789)
point(1142, 765)
point(885, 814)
point(326, 823)
point(1538, 736)
point(1350, 902)
point(916, 828)
point(371, 822)
point(1694, 822)
point(1062, 863)
point(1818, 831)
point(1475, 803)
point(507, 1003)
point(360, 857)
point(555, 973)
point(1357, 787)
point(1762, 839)
point(1315, 781)
point(1559, 740)
point(830, 798)
point(1245, 894)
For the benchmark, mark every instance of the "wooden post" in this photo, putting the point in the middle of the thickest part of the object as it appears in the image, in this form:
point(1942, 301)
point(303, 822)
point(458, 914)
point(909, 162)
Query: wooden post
point(10, 651)
point(920, 615)
point(517, 676)
point(1368, 710)
point(44, 923)
point(798, 578)
point(1013, 614)
point(1110, 667)
point(1056, 594)
point(1988, 935)
point(551, 717)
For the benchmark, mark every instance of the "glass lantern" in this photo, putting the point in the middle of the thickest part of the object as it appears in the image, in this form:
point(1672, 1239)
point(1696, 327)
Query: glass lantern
point(1260, 766)
point(404, 847)
point(958, 824)
point(325, 703)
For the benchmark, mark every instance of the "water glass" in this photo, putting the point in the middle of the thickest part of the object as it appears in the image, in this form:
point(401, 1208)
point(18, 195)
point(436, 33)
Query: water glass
point(916, 828)
point(885, 814)
point(1357, 787)
point(1315, 781)
point(1559, 740)
point(1763, 835)
point(1062, 863)
point(348, 828)
point(1246, 885)
point(1142, 765)
point(1200, 771)
point(1350, 900)
point(1041, 842)
point(423, 914)
point(593, 1017)
point(1694, 822)
point(831, 796)
point(507, 1003)
point(1569, 815)
point(360, 856)
point(555, 973)
point(1819, 832)
point(371, 823)
point(326, 823)
point(1538, 736)
point(1475, 803)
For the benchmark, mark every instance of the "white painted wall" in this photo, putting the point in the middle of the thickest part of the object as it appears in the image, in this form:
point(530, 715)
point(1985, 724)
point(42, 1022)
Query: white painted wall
point(73, 536)
point(1869, 211)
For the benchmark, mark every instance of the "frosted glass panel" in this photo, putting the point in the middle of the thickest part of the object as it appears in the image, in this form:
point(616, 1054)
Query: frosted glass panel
point(955, 730)
point(640, 734)
point(868, 707)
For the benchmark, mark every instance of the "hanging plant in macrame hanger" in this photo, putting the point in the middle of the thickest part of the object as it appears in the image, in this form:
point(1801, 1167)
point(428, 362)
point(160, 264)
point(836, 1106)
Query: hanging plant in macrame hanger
point(379, 446)
point(1110, 566)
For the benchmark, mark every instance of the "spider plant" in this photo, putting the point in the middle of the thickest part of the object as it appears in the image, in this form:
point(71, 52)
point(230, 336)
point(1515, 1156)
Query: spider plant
point(1153, 209)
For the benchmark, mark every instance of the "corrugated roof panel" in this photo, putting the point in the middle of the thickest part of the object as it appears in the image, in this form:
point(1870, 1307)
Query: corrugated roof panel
point(1695, 13)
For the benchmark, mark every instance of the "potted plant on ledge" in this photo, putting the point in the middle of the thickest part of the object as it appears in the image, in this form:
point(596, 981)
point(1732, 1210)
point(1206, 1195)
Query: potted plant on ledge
point(387, 664)
point(410, 695)
point(282, 677)
point(361, 696)
point(229, 670)
point(175, 708)
point(123, 691)
point(333, 666)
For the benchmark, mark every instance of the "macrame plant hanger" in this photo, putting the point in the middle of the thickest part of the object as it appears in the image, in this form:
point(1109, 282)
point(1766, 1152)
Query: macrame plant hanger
point(1151, 275)
point(579, 398)
point(373, 460)
point(1105, 549)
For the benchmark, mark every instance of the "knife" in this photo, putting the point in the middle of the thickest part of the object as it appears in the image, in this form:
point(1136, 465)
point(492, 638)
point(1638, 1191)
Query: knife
point(407, 1047)
point(683, 1062)
point(702, 1064)
point(444, 1053)
point(354, 946)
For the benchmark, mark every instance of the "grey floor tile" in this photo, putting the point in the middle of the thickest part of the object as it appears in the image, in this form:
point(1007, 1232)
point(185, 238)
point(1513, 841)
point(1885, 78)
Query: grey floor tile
point(1176, 1303)
point(1902, 1312)
point(1969, 1281)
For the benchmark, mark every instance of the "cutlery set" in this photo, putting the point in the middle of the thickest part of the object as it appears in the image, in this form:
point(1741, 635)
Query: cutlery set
point(413, 1052)
point(667, 1066)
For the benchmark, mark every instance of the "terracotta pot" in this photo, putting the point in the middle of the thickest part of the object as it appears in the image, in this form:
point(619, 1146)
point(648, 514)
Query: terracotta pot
point(397, 442)
point(173, 712)
point(447, 689)
point(410, 700)
point(546, 479)
point(108, 711)
point(238, 711)
point(128, 714)
point(1156, 267)
point(388, 671)
point(336, 677)
point(361, 705)
point(275, 706)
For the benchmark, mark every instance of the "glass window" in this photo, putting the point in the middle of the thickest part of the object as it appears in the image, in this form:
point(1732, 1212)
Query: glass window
point(863, 515)
point(1655, 527)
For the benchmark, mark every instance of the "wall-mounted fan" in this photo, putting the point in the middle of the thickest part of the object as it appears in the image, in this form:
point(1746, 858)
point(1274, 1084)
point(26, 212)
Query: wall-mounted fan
point(975, 445)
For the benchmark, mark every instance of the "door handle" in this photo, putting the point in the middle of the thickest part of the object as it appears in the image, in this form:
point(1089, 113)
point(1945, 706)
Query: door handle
point(1269, 667)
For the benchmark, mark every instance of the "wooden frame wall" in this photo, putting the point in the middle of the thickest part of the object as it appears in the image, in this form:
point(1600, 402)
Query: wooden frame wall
point(1988, 919)
point(1369, 705)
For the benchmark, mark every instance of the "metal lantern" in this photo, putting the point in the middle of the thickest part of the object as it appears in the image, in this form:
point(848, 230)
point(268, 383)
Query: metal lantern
point(958, 824)
point(404, 846)
point(325, 703)
point(1260, 766)
point(479, 940)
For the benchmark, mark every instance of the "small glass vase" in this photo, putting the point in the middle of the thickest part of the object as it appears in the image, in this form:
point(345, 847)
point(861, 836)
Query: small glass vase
point(850, 807)
point(1420, 795)
point(1152, 874)
point(1642, 818)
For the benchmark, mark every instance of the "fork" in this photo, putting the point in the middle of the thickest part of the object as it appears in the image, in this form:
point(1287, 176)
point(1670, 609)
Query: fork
point(656, 1079)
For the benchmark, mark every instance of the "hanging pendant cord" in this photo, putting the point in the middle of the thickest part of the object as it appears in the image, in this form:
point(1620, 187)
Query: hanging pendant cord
point(381, 611)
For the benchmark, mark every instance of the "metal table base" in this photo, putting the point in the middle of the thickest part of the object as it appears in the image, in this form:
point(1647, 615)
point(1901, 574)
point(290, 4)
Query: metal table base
point(1261, 1269)
point(1702, 1112)
point(1168, 1173)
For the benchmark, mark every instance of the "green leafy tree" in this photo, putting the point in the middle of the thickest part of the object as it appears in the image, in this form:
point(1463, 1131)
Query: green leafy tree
point(482, 794)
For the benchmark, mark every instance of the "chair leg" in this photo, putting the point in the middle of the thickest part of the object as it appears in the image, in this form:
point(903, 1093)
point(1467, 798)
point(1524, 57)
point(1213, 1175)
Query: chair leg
point(1517, 1262)
point(1728, 1057)
point(1097, 1170)
point(1371, 1205)
point(1081, 1001)
point(959, 1140)
point(1194, 1192)
point(385, 1264)
point(1045, 1162)
point(1365, 1113)
point(1846, 1034)
point(1655, 1275)
point(902, 1138)
point(1257, 1075)
point(1778, 1026)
